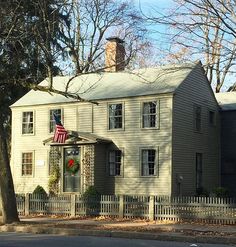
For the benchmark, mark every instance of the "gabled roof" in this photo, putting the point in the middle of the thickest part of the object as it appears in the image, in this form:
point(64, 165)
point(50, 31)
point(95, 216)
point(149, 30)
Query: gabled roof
point(226, 101)
point(112, 85)
point(78, 138)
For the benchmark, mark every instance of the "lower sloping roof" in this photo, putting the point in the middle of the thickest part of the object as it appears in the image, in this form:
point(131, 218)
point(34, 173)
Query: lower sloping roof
point(226, 100)
point(78, 138)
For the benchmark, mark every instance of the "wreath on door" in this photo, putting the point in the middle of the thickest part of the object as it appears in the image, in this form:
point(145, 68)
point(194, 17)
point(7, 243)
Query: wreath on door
point(72, 166)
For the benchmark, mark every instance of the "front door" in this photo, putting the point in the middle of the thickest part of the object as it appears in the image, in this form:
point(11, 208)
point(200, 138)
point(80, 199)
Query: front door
point(72, 169)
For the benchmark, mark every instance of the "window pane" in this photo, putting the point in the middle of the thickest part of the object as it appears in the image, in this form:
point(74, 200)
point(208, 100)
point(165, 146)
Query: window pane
point(149, 114)
point(152, 106)
point(148, 162)
point(115, 116)
point(57, 112)
point(27, 164)
point(115, 162)
point(27, 123)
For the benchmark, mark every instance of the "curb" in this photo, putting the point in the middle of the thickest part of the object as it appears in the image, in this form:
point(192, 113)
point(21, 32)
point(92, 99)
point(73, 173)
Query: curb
point(179, 237)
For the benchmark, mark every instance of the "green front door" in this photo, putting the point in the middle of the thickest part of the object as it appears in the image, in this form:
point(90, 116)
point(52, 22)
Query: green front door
point(72, 179)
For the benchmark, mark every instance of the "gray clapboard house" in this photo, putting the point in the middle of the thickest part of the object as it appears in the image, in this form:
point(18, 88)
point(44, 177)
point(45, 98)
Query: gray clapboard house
point(152, 131)
point(227, 103)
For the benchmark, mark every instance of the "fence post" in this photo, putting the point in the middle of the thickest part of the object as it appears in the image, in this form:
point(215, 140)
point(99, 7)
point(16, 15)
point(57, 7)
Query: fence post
point(121, 206)
point(151, 208)
point(27, 203)
point(72, 205)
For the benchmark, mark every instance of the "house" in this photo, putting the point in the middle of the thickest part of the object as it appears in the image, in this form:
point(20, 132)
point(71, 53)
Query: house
point(227, 103)
point(151, 131)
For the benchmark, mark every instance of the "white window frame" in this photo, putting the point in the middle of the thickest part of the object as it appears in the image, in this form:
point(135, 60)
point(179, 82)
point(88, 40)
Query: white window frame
point(156, 161)
point(32, 164)
point(52, 120)
point(115, 162)
point(157, 114)
point(28, 123)
point(122, 116)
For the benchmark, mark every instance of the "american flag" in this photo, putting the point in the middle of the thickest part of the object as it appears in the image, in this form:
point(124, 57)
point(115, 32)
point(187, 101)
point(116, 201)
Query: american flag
point(60, 133)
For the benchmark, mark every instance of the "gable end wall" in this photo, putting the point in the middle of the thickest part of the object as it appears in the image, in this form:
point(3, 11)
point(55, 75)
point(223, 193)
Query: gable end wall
point(195, 90)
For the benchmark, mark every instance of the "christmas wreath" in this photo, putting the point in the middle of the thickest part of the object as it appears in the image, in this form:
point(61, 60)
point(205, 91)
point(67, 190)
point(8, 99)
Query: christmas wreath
point(72, 166)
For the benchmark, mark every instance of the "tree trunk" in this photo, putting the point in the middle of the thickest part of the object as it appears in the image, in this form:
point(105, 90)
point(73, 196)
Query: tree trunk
point(7, 193)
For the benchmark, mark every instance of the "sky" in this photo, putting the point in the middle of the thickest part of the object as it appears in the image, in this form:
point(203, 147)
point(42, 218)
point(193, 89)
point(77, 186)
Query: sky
point(160, 40)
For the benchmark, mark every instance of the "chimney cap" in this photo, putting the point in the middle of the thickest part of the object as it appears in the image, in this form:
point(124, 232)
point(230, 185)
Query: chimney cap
point(116, 39)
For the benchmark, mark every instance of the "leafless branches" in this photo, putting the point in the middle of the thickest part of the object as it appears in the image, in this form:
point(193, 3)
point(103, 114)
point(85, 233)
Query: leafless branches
point(206, 30)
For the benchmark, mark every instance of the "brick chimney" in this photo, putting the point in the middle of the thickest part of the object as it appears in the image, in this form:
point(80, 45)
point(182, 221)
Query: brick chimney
point(114, 55)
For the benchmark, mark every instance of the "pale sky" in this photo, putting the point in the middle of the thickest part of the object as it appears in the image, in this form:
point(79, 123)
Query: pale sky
point(157, 3)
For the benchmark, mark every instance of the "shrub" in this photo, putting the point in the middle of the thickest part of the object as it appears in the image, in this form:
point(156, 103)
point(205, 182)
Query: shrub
point(91, 198)
point(221, 192)
point(91, 192)
point(202, 192)
point(40, 190)
point(54, 178)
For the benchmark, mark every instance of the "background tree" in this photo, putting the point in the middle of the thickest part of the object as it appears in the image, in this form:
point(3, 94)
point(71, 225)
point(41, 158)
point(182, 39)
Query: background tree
point(90, 23)
point(205, 30)
point(22, 63)
point(39, 36)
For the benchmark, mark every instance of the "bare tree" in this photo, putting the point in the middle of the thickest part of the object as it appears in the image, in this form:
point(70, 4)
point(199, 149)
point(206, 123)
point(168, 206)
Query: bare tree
point(206, 30)
point(91, 22)
point(35, 37)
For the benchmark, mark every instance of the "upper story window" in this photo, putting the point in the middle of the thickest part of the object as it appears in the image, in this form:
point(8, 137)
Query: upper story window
point(212, 120)
point(148, 162)
point(27, 164)
point(115, 116)
point(57, 112)
point(27, 122)
point(149, 114)
point(115, 162)
point(197, 118)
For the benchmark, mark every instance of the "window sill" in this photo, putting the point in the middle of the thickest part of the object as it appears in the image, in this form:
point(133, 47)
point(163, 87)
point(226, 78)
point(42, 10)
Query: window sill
point(114, 130)
point(115, 176)
point(150, 128)
point(149, 176)
point(28, 134)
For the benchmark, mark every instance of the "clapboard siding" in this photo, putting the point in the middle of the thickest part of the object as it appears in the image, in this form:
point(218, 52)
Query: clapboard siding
point(228, 154)
point(177, 158)
point(34, 143)
point(100, 168)
point(195, 90)
point(85, 117)
point(131, 139)
point(94, 119)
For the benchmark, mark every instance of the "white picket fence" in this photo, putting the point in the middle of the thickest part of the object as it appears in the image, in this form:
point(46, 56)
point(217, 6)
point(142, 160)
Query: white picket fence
point(201, 209)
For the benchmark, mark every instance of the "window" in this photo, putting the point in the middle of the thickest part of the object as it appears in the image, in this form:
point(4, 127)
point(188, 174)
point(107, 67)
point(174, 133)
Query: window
point(115, 116)
point(149, 114)
point(115, 163)
point(197, 118)
point(28, 122)
point(212, 118)
point(57, 112)
point(198, 170)
point(27, 164)
point(148, 162)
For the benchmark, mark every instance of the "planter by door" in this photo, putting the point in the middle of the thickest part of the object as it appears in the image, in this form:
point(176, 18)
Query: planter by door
point(72, 169)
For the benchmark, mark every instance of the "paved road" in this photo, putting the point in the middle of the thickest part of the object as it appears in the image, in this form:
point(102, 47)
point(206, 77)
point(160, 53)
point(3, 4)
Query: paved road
point(37, 240)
